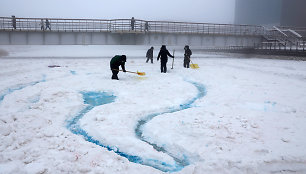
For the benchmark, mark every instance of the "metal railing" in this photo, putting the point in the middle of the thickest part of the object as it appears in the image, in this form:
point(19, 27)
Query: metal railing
point(34, 24)
point(124, 25)
point(274, 35)
point(284, 38)
point(301, 31)
point(299, 46)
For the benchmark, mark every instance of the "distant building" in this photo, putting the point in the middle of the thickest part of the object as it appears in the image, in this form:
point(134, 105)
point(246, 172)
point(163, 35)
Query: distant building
point(294, 13)
point(258, 12)
point(271, 12)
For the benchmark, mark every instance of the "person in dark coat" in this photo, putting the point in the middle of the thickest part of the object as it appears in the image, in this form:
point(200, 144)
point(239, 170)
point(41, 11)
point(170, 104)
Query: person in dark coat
point(163, 55)
point(187, 55)
point(48, 25)
point(14, 22)
point(132, 23)
point(146, 26)
point(115, 63)
point(150, 55)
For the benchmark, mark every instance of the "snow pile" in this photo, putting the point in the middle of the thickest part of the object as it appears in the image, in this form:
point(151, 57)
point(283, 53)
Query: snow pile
point(250, 120)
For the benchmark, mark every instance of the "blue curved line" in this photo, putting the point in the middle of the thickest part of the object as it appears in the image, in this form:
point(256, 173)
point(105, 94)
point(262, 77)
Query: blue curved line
point(139, 131)
point(72, 72)
point(93, 99)
point(19, 87)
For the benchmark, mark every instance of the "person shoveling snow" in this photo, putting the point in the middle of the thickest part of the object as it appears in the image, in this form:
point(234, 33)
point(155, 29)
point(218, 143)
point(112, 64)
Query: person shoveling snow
point(120, 61)
point(115, 63)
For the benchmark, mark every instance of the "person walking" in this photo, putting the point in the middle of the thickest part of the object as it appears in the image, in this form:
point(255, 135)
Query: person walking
point(150, 55)
point(118, 60)
point(187, 55)
point(42, 25)
point(132, 23)
point(14, 22)
point(48, 25)
point(146, 26)
point(163, 55)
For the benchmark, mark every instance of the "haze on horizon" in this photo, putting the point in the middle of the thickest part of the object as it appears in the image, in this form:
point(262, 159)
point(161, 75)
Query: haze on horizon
point(206, 11)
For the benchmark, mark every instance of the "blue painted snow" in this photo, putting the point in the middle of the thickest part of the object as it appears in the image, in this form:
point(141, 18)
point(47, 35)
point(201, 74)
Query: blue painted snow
point(72, 72)
point(34, 99)
point(183, 160)
point(268, 105)
point(93, 99)
point(18, 87)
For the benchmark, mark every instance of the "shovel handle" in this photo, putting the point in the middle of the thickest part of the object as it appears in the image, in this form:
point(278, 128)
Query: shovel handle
point(139, 73)
point(126, 71)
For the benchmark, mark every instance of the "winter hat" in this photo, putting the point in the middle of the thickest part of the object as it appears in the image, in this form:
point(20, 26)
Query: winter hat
point(123, 57)
point(163, 47)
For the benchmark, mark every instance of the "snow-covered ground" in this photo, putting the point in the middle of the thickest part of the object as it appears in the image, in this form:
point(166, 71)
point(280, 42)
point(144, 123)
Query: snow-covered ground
point(232, 115)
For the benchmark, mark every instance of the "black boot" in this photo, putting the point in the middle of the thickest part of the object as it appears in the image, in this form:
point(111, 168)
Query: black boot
point(115, 77)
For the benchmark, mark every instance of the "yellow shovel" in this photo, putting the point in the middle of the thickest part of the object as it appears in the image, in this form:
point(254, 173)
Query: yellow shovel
point(194, 66)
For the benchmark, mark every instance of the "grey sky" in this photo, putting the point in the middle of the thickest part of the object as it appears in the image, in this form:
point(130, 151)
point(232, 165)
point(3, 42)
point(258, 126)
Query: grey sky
point(216, 11)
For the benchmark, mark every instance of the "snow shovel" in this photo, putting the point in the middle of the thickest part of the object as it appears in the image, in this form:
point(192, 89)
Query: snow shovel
point(139, 73)
point(173, 59)
point(194, 66)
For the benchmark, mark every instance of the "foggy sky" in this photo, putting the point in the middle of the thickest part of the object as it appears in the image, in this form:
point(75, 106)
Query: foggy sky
point(214, 11)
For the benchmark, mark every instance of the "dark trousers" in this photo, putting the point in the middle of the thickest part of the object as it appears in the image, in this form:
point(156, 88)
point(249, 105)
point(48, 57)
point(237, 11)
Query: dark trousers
point(186, 63)
point(115, 72)
point(115, 75)
point(149, 59)
point(163, 66)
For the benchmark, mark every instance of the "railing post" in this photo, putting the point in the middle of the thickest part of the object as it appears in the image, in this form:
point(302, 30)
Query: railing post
point(86, 25)
point(64, 23)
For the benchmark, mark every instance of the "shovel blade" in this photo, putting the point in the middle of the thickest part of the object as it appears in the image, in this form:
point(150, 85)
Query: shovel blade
point(141, 73)
point(194, 66)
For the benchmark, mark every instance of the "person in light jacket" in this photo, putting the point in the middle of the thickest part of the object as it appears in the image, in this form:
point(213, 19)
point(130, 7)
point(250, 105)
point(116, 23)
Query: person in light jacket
point(42, 24)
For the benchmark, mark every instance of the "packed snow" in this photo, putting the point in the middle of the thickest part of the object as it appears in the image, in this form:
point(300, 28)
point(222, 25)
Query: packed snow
point(60, 112)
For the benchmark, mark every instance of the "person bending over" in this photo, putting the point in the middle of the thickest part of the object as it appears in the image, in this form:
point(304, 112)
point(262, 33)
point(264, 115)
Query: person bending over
point(118, 60)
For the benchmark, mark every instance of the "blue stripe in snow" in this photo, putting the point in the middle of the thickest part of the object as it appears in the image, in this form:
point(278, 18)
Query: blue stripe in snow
point(93, 99)
point(18, 87)
point(184, 161)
